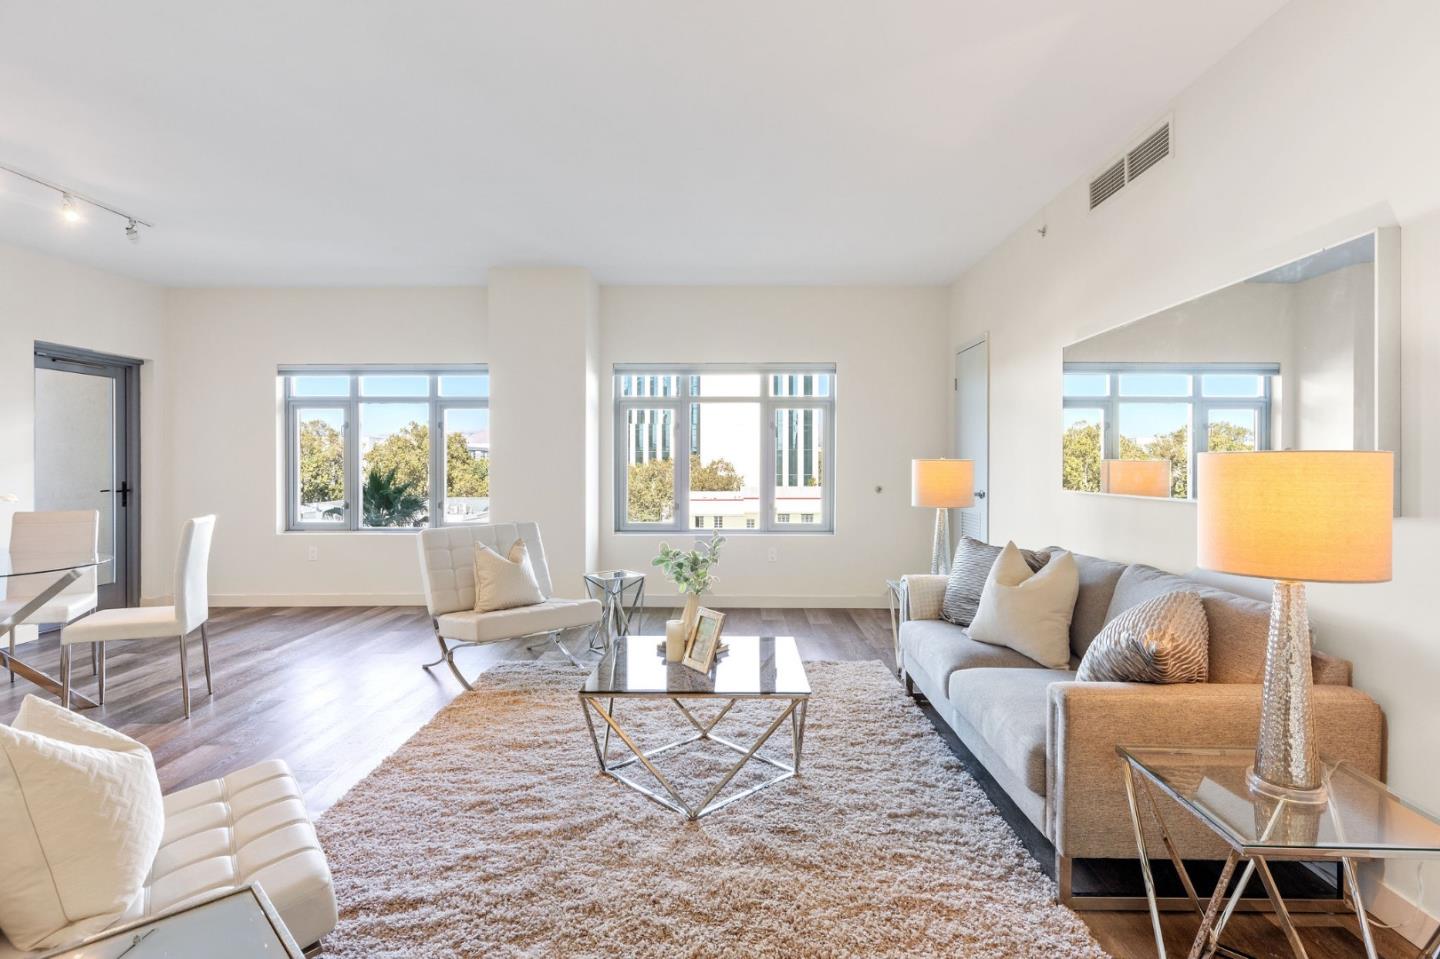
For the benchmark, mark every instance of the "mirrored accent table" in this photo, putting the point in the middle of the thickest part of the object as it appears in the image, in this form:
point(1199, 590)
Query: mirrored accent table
point(632, 671)
point(621, 593)
point(1361, 819)
point(57, 570)
point(234, 924)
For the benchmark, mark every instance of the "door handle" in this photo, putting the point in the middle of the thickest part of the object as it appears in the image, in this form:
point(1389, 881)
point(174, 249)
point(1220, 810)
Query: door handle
point(124, 492)
point(979, 494)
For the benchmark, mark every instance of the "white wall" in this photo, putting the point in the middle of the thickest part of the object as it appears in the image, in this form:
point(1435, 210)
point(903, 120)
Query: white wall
point(1320, 126)
point(226, 345)
point(890, 348)
point(44, 298)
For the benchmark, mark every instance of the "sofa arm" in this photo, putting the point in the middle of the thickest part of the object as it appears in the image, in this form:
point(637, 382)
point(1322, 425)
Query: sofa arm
point(921, 595)
point(1086, 812)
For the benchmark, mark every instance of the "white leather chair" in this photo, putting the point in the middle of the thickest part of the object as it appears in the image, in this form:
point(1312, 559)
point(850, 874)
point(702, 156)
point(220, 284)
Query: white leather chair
point(191, 610)
point(64, 534)
point(447, 566)
point(249, 827)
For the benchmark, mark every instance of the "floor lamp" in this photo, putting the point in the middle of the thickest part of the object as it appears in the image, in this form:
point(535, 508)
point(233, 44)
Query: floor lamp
point(1294, 516)
point(942, 485)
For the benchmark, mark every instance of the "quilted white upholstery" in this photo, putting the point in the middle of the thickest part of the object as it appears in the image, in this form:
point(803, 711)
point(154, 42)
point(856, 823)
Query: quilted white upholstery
point(250, 826)
point(447, 561)
point(553, 614)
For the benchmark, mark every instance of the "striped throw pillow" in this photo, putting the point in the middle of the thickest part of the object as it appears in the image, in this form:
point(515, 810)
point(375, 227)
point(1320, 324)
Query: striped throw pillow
point(968, 572)
point(1162, 640)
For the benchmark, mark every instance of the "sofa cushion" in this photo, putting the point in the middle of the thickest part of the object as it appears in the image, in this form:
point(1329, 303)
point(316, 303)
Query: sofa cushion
point(1092, 603)
point(81, 816)
point(937, 649)
point(1239, 626)
point(1009, 708)
point(551, 615)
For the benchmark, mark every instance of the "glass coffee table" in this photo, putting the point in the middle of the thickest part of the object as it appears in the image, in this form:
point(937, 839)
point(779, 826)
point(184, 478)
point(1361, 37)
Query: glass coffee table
point(1360, 819)
point(754, 668)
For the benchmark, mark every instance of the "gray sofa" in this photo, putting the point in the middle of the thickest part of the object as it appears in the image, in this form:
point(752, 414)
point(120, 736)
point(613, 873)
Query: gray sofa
point(1049, 741)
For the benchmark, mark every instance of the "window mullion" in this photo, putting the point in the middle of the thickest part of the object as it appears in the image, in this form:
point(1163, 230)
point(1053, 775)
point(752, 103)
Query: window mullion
point(353, 481)
point(767, 464)
point(680, 456)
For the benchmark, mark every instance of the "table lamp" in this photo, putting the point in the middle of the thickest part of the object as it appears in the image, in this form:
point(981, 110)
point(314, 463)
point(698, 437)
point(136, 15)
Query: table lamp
point(942, 485)
point(1135, 477)
point(1294, 516)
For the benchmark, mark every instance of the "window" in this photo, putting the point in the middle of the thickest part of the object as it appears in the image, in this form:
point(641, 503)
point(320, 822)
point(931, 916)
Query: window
point(1138, 411)
point(748, 447)
point(358, 453)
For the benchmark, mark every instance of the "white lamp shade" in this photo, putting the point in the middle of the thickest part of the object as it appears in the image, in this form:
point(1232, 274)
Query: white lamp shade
point(1135, 477)
point(1313, 516)
point(942, 484)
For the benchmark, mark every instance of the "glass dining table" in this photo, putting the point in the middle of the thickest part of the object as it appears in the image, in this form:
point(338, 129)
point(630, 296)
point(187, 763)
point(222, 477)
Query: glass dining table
point(61, 570)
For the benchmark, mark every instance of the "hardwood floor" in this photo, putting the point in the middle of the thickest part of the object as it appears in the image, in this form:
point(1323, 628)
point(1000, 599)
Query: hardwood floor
point(334, 690)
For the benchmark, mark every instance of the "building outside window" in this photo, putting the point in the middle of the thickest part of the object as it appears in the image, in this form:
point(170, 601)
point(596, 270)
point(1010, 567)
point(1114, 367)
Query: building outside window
point(1137, 411)
point(358, 453)
point(730, 419)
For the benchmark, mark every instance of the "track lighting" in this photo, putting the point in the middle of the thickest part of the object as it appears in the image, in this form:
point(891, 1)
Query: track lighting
point(70, 204)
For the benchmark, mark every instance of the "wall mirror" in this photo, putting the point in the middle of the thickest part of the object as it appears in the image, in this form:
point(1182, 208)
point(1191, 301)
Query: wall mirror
point(1302, 356)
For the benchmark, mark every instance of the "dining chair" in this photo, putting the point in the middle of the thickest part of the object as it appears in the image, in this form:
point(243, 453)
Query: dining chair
point(34, 537)
point(191, 610)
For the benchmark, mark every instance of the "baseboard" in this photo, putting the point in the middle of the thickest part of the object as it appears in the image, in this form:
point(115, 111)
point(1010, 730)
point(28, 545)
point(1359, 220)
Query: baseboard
point(1396, 910)
point(317, 599)
point(416, 599)
point(867, 601)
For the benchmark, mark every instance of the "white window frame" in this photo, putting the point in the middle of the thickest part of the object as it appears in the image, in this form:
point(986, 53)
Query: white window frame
point(1200, 405)
point(349, 403)
point(769, 404)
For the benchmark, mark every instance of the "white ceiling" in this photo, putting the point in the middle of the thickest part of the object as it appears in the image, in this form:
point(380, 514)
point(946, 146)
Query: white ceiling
point(321, 142)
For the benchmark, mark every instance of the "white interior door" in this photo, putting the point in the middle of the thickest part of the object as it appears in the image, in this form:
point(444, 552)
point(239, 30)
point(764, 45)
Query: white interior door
point(972, 432)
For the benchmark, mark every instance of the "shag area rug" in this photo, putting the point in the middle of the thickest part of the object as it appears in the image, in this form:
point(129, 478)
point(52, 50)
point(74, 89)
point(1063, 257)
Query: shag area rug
point(493, 833)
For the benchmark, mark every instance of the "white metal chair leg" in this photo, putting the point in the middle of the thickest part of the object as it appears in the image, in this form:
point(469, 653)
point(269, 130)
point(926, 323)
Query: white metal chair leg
point(10, 659)
point(185, 677)
point(205, 650)
point(101, 687)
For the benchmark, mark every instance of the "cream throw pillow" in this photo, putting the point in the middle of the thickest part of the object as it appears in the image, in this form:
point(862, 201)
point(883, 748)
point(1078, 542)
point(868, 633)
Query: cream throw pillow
point(504, 582)
point(1029, 611)
point(81, 819)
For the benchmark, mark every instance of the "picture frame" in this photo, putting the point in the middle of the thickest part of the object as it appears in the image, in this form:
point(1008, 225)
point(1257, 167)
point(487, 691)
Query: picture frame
point(705, 641)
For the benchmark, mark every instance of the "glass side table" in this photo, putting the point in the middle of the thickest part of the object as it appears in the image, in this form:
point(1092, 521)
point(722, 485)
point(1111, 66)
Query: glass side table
point(621, 593)
point(231, 924)
point(896, 590)
point(1361, 819)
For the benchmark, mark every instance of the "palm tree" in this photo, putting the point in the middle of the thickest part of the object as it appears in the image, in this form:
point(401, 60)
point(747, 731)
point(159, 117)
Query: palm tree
point(387, 501)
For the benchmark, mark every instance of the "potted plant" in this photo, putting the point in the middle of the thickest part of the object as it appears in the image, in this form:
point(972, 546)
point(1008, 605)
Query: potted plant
point(690, 571)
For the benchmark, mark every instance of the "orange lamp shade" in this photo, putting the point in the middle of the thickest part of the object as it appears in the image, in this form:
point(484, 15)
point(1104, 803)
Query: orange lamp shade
point(1314, 516)
point(1135, 477)
point(942, 484)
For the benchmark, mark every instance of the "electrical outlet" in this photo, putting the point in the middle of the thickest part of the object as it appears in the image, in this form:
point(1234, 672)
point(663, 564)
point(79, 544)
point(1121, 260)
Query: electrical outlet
point(772, 554)
point(313, 554)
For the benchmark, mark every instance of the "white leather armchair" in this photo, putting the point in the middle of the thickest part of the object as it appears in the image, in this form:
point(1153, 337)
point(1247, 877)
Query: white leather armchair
point(447, 566)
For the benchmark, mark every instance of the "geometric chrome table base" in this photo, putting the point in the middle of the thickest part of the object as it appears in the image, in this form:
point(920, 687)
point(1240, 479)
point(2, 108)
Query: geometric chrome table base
point(1215, 915)
point(794, 709)
point(17, 667)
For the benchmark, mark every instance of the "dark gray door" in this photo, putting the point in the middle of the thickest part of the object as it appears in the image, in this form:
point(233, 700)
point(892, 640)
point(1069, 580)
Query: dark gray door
point(87, 454)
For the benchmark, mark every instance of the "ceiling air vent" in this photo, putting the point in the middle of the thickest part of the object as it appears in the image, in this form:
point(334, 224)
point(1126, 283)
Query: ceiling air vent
point(1147, 153)
point(1107, 184)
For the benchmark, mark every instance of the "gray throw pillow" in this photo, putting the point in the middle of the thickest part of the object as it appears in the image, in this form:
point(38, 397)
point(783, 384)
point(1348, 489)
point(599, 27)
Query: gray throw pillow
point(1162, 640)
point(968, 573)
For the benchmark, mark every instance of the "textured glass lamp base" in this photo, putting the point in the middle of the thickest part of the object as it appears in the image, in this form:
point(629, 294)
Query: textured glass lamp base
point(1287, 764)
point(1306, 797)
point(940, 552)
